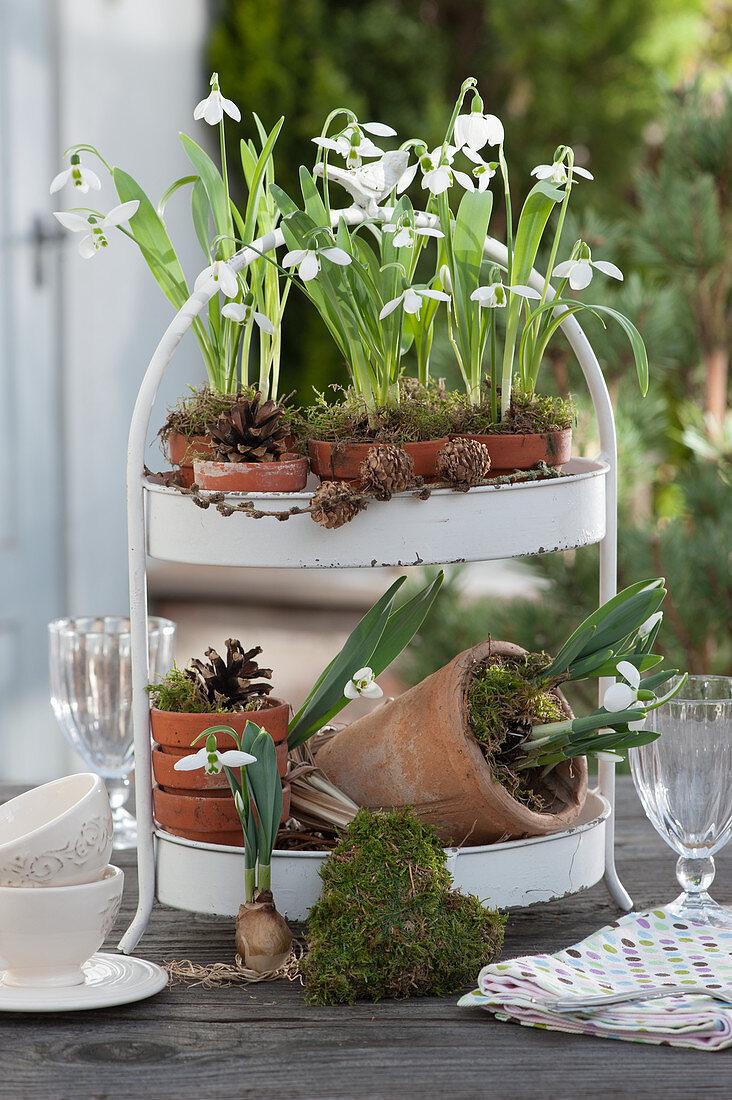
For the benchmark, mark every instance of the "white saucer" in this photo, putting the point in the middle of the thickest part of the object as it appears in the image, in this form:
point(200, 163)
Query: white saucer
point(110, 980)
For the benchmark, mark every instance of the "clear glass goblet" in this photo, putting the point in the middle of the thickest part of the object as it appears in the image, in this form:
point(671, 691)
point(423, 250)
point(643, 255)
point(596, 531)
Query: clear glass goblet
point(684, 781)
point(91, 696)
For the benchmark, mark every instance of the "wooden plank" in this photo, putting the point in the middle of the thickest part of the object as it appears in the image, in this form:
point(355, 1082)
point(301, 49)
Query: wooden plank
point(264, 1041)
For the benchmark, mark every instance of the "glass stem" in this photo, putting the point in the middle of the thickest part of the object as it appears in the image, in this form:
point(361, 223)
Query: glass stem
point(118, 789)
point(695, 875)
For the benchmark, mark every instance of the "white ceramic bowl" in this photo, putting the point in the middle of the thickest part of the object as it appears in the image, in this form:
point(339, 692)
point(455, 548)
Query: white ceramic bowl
point(59, 834)
point(46, 935)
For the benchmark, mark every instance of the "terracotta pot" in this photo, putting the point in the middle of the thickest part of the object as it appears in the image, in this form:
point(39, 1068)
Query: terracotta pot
point(208, 816)
point(418, 751)
point(510, 452)
point(289, 475)
point(340, 461)
point(211, 817)
point(177, 731)
point(182, 449)
point(163, 764)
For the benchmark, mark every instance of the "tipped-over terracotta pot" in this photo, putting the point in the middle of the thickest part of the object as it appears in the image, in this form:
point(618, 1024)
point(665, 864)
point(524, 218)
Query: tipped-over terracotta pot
point(515, 451)
point(418, 751)
point(341, 461)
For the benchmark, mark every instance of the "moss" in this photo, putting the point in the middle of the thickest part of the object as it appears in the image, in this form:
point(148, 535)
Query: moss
point(198, 409)
point(178, 693)
point(422, 413)
point(505, 699)
point(387, 923)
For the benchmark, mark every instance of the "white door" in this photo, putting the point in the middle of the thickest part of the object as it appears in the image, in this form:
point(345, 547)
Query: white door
point(75, 335)
point(32, 555)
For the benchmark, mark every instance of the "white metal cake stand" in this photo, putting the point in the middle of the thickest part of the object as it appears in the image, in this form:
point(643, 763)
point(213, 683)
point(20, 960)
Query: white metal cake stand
point(490, 522)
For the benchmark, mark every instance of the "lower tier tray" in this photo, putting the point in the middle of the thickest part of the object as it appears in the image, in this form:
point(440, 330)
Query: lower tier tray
point(490, 522)
point(207, 878)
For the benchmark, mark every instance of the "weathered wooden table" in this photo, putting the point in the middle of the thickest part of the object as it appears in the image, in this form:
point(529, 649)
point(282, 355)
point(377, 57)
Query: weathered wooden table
point(264, 1041)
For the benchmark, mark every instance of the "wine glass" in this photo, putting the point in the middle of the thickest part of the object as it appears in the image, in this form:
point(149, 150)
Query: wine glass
point(684, 781)
point(91, 695)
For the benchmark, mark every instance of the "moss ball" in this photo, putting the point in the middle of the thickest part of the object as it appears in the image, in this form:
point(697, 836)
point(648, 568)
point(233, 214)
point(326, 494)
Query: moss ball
point(388, 923)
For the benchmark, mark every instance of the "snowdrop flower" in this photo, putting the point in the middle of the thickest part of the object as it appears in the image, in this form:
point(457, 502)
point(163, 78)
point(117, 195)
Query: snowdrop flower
point(352, 143)
point(94, 226)
point(437, 173)
point(362, 683)
point(579, 271)
point(491, 297)
point(307, 260)
point(411, 300)
point(82, 178)
point(623, 696)
point(220, 274)
point(404, 233)
point(525, 291)
point(557, 172)
point(211, 109)
point(245, 315)
point(483, 172)
point(475, 130)
point(212, 761)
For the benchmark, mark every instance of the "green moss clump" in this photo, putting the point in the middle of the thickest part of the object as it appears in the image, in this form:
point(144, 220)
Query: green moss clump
point(506, 698)
point(503, 696)
point(180, 694)
point(423, 412)
point(197, 410)
point(388, 923)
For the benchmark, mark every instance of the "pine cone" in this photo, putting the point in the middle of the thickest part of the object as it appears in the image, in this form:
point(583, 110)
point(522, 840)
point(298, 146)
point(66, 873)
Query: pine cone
point(463, 462)
point(386, 470)
point(333, 505)
point(249, 431)
point(230, 684)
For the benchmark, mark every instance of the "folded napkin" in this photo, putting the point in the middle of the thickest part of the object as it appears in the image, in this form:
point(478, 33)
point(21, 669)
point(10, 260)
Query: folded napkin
point(639, 951)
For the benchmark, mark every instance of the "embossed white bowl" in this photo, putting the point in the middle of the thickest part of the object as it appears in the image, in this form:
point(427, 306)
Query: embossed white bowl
point(58, 834)
point(46, 935)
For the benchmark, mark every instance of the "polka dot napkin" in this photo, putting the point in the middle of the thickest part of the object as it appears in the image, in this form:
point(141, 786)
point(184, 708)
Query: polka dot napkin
point(640, 950)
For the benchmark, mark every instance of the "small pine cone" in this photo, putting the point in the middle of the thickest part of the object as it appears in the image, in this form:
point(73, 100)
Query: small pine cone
point(463, 462)
point(386, 470)
point(333, 505)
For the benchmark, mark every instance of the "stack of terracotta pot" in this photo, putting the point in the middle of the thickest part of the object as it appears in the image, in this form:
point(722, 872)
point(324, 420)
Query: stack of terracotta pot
point(192, 804)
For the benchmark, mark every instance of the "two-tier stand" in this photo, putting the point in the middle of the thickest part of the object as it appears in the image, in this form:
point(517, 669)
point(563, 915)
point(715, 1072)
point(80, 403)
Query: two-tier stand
point(489, 522)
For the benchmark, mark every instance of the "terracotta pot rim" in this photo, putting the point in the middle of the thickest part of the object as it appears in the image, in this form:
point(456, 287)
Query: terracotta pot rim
point(271, 700)
point(564, 432)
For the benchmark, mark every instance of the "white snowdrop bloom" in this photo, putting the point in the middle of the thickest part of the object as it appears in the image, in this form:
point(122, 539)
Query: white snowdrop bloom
point(246, 315)
point(212, 108)
point(492, 296)
point(307, 260)
point(212, 761)
point(482, 172)
point(579, 271)
point(353, 144)
point(94, 226)
point(221, 275)
point(411, 301)
point(404, 233)
point(475, 130)
point(362, 683)
point(557, 172)
point(81, 177)
point(623, 696)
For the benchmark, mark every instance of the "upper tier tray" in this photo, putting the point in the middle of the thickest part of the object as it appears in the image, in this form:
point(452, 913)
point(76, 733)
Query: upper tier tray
point(490, 522)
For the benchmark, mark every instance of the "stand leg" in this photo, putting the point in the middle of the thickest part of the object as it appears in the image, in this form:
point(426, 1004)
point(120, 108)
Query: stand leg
point(141, 723)
point(608, 588)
